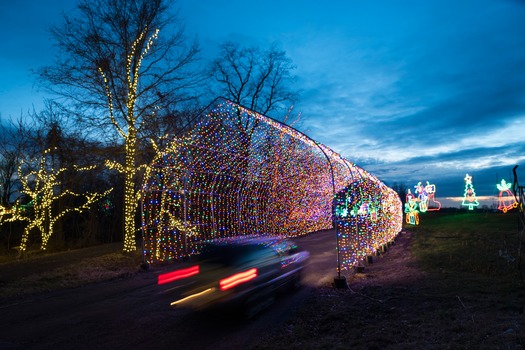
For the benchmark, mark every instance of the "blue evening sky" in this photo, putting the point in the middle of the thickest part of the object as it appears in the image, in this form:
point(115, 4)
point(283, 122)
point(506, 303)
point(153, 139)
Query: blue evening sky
point(409, 90)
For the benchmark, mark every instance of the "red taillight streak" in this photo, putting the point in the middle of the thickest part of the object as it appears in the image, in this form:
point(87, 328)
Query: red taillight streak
point(178, 274)
point(238, 278)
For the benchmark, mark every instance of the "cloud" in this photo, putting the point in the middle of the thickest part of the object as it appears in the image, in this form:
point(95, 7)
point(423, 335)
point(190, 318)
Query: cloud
point(446, 79)
point(409, 90)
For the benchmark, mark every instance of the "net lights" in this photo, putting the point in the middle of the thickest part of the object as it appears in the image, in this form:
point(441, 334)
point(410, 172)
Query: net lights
point(220, 180)
point(367, 216)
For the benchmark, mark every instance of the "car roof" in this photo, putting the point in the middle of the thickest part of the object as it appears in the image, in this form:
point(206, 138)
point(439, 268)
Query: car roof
point(236, 251)
point(245, 240)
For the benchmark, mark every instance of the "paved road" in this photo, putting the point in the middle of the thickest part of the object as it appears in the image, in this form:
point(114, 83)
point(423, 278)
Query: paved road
point(131, 313)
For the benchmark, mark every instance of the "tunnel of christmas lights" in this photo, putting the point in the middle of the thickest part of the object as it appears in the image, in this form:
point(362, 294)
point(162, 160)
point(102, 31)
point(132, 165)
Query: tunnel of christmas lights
point(235, 172)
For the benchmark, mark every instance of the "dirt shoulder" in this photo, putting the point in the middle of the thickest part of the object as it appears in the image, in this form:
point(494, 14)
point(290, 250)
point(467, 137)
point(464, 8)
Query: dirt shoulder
point(16, 268)
point(394, 304)
point(53, 271)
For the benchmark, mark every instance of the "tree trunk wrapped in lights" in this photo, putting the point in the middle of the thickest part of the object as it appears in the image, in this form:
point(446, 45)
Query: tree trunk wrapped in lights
point(129, 134)
point(121, 76)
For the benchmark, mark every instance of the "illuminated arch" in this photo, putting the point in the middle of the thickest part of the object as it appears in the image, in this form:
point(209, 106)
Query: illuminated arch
point(236, 172)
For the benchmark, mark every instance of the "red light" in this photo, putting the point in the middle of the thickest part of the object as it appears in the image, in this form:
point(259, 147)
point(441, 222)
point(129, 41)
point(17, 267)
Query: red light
point(238, 278)
point(178, 274)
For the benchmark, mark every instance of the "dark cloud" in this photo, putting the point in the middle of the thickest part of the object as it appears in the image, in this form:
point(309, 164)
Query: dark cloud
point(450, 178)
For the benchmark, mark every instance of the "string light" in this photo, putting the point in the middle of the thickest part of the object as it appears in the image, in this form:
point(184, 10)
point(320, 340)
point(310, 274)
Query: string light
point(506, 200)
point(422, 197)
point(40, 213)
point(129, 134)
point(368, 215)
point(469, 197)
point(431, 193)
point(426, 200)
point(220, 180)
point(411, 209)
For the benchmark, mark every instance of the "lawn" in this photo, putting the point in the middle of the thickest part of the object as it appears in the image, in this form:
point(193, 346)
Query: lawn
point(453, 282)
point(476, 254)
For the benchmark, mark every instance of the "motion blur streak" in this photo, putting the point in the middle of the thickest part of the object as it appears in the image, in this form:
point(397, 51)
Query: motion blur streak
point(178, 274)
point(192, 296)
point(237, 279)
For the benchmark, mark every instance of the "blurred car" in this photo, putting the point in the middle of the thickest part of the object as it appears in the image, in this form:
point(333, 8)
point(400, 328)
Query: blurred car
point(239, 273)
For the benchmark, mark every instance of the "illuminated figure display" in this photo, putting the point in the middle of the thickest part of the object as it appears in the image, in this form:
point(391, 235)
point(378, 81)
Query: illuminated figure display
point(426, 197)
point(469, 198)
point(433, 203)
point(235, 172)
point(422, 197)
point(506, 199)
point(411, 209)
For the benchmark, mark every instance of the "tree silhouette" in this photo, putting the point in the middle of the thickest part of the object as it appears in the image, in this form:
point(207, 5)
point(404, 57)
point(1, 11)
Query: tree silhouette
point(120, 63)
point(257, 79)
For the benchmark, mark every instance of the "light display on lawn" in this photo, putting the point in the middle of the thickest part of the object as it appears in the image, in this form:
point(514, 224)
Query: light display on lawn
point(411, 209)
point(506, 199)
point(426, 200)
point(469, 198)
point(236, 172)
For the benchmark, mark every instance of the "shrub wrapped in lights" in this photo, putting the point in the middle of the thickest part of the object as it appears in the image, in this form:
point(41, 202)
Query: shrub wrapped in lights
point(236, 172)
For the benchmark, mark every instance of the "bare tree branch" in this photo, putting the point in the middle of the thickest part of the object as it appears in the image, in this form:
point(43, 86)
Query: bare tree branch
point(260, 80)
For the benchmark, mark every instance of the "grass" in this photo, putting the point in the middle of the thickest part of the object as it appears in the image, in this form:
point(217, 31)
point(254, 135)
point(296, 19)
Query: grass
point(481, 248)
point(69, 274)
point(451, 240)
point(478, 259)
point(463, 291)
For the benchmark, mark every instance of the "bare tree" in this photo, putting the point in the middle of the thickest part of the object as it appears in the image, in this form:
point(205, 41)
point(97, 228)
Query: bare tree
point(257, 79)
point(14, 141)
point(120, 63)
point(401, 190)
point(260, 80)
point(49, 135)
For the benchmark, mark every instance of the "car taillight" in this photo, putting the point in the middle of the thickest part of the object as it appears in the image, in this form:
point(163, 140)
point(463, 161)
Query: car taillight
point(178, 274)
point(238, 278)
